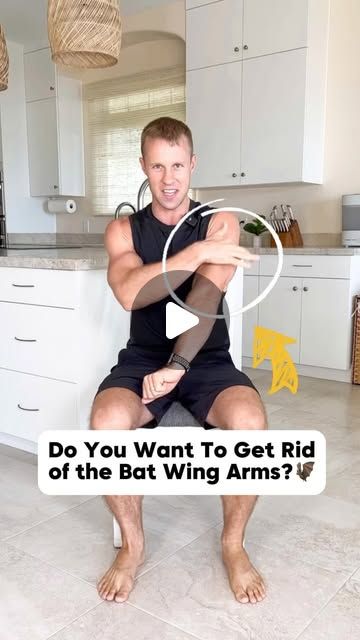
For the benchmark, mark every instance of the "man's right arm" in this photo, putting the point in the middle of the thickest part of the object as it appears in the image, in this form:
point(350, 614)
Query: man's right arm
point(127, 275)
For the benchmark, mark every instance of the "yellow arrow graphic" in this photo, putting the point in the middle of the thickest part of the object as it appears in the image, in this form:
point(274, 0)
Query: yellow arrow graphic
point(269, 344)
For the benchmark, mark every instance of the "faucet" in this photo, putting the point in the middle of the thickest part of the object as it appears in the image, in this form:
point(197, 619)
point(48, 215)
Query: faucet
point(140, 200)
point(121, 206)
point(141, 194)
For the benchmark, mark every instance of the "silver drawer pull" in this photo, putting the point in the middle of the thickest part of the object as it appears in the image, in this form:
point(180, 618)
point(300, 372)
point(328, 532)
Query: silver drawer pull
point(24, 408)
point(302, 265)
point(25, 339)
point(23, 285)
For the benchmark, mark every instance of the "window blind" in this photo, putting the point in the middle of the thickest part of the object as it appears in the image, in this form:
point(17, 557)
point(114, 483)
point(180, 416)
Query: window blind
point(116, 112)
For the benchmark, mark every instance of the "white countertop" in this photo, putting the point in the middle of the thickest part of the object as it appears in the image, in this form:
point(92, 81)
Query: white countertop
point(315, 251)
point(68, 259)
point(96, 257)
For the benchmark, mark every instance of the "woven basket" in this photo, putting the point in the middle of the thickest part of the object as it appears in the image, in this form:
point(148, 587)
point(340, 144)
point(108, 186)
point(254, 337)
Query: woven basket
point(84, 33)
point(4, 61)
point(356, 343)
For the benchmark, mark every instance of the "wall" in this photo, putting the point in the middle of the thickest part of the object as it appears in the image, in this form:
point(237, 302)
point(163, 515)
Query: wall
point(23, 213)
point(318, 207)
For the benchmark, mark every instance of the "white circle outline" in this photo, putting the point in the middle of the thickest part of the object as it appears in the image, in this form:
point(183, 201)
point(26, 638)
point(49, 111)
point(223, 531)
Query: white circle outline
point(237, 210)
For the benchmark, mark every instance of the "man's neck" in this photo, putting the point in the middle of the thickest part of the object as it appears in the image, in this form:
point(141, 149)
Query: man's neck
point(170, 217)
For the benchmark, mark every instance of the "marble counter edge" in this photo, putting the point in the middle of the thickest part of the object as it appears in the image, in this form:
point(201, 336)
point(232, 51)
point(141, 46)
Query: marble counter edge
point(316, 251)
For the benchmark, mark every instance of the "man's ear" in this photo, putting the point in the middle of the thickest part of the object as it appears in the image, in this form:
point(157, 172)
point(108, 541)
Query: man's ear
point(193, 162)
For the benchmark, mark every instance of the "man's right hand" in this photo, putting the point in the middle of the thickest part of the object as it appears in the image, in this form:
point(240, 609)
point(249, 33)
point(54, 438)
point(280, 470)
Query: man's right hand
point(216, 249)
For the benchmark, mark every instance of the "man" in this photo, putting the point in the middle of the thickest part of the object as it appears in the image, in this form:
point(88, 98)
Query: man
point(152, 371)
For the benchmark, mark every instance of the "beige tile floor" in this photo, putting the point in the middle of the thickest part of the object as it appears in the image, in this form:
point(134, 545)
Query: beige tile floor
point(53, 549)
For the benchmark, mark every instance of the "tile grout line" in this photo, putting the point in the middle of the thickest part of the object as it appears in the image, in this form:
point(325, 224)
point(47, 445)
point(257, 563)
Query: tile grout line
point(283, 555)
point(53, 566)
point(324, 606)
point(72, 621)
point(177, 550)
point(171, 624)
point(19, 533)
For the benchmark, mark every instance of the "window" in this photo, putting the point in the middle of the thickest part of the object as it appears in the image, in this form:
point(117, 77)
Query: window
point(116, 111)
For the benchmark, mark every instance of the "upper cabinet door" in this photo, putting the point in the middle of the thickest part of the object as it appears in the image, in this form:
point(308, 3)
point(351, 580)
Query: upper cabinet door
point(273, 118)
point(213, 113)
point(43, 147)
point(214, 34)
point(271, 26)
point(40, 79)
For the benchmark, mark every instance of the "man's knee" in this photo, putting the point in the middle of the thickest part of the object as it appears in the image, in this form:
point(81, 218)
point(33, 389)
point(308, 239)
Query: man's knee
point(111, 417)
point(245, 416)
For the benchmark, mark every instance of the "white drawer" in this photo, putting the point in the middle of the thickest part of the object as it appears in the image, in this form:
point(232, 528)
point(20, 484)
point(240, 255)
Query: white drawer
point(29, 405)
point(48, 287)
point(308, 266)
point(39, 340)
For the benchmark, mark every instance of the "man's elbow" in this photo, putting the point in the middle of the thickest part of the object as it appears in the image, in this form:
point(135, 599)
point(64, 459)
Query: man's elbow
point(121, 294)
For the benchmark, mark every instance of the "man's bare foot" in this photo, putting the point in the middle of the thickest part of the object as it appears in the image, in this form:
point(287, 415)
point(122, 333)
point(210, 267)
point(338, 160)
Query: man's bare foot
point(245, 581)
point(118, 581)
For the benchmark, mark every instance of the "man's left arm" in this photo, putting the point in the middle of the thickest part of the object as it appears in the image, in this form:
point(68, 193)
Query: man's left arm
point(210, 281)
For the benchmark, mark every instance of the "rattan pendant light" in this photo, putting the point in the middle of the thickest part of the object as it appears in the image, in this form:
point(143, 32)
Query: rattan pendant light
point(84, 33)
point(4, 61)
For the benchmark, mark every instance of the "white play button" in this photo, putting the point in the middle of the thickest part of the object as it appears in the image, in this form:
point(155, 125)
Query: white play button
point(178, 320)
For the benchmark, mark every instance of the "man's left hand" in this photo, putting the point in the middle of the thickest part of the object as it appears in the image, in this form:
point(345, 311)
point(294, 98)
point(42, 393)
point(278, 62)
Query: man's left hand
point(159, 383)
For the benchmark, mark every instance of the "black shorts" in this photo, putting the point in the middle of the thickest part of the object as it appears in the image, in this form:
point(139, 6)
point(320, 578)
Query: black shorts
point(210, 373)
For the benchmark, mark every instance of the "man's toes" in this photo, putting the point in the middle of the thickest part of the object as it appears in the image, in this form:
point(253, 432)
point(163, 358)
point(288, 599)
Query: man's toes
point(251, 596)
point(110, 595)
point(262, 589)
point(121, 596)
point(241, 596)
point(257, 594)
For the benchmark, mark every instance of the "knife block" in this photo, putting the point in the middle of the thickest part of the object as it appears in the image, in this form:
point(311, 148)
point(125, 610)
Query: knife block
point(291, 238)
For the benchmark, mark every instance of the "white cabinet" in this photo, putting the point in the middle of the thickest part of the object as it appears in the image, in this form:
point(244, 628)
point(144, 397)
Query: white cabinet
point(214, 34)
point(61, 333)
point(271, 26)
point(42, 147)
point(281, 310)
point(273, 113)
point(30, 404)
point(55, 128)
point(218, 159)
point(40, 75)
point(273, 54)
point(325, 337)
point(312, 302)
point(249, 318)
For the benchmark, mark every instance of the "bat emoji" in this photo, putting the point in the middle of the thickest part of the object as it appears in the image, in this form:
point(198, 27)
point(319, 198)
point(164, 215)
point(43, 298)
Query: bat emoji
point(306, 470)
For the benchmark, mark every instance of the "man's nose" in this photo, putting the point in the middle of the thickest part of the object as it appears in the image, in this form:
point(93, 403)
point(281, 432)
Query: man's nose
point(168, 177)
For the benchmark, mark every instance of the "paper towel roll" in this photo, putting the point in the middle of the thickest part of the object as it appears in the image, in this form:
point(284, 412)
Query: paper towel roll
point(60, 205)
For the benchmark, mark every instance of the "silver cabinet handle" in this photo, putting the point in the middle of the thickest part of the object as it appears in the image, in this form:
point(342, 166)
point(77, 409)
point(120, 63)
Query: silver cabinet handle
point(306, 288)
point(236, 49)
point(24, 408)
point(234, 174)
point(243, 174)
point(52, 88)
point(25, 339)
point(22, 285)
point(295, 288)
point(245, 47)
point(302, 265)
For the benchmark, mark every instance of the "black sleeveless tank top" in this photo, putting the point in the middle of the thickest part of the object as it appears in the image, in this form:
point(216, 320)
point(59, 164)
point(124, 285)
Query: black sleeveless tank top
point(148, 324)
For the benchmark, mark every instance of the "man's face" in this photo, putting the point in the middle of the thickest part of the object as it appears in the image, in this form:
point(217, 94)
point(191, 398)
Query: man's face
point(168, 168)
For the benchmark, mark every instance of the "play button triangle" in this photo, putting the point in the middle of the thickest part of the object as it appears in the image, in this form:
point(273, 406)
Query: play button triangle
point(178, 320)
